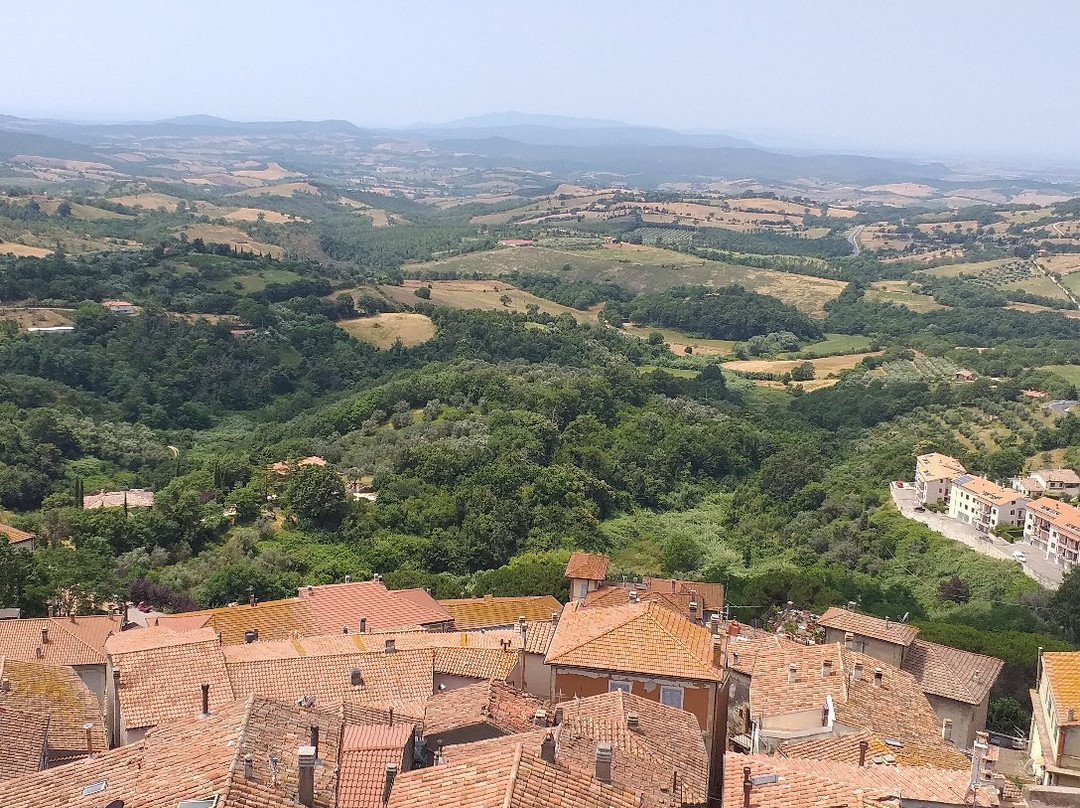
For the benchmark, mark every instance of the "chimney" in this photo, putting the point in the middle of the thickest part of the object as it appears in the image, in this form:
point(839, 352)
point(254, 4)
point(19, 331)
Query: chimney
point(391, 646)
point(205, 699)
point(348, 579)
point(344, 629)
point(886, 623)
point(390, 712)
point(356, 678)
point(603, 762)
point(856, 673)
point(554, 618)
point(851, 605)
point(363, 625)
point(747, 787)
point(313, 735)
point(547, 748)
point(826, 669)
point(251, 635)
point(1072, 714)
point(632, 721)
point(863, 746)
point(849, 641)
point(540, 718)
point(792, 670)
point(44, 635)
point(251, 597)
point(388, 783)
point(734, 629)
point(310, 589)
point(87, 727)
point(558, 716)
point(249, 766)
point(305, 789)
point(946, 729)
point(718, 646)
point(879, 675)
point(521, 623)
point(633, 596)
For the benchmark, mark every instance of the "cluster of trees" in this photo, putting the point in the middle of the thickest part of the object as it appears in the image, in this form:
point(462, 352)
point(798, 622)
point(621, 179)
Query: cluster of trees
point(729, 312)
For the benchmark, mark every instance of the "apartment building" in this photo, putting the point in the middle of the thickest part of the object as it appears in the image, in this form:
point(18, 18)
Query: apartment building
point(1055, 720)
point(1053, 528)
point(1055, 482)
point(934, 473)
point(983, 504)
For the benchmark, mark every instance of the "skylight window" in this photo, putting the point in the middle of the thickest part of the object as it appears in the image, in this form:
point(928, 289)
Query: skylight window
point(94, 788)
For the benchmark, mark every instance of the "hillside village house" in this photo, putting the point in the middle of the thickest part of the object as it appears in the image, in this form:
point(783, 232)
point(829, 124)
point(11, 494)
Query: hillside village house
point(956, 683)
point(1055, 720)
point(1053, 482)
point(17, 539)
point(586, 572)
point(118, 306)
point(1053, 527)
point(645, 649)
point(934, 474)
point(983, 504)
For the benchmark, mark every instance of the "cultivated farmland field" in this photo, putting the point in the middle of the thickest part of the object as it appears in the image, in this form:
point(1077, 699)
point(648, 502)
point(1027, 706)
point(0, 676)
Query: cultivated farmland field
point(233, 236)
point(485, 295)
point(902, 293)
point(386, 328)
point(822, 367)
point(680, 341)
point(645, 269)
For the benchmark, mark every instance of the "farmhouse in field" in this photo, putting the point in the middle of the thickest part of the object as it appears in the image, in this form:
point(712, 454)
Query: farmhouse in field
point(934, 473)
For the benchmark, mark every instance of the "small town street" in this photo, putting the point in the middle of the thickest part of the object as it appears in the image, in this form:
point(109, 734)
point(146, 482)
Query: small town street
point(1037, 566)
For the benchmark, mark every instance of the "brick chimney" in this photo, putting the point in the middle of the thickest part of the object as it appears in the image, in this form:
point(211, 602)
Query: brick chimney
point(44, 635)
point(603, 762)
point(747, 787)
point(633, 721)
point(388, 782)
point(305, 788)
point(547, 748)
point(863, 746)
point(205, 699)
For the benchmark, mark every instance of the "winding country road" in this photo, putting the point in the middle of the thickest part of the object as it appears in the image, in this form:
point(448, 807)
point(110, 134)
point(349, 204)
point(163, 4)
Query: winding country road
point(853, 237)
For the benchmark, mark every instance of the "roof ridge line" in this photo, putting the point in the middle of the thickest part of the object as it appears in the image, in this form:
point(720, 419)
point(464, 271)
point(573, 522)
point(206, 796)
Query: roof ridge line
point(649, 613)
point(234, 763)
point(76, 637)
point(511, 781)
point(578, 608)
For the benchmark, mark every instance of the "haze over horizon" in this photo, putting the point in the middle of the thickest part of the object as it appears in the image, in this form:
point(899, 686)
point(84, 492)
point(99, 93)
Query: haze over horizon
point(918, 78)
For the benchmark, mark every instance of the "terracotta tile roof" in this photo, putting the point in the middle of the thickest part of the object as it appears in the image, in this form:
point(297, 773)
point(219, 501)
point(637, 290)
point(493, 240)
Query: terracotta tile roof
point(402, 676)
point(489, 611)
point(462, 752)
point(14, 534)
point(410, 713)
point(135, 498)
point(477, 663)
point(505, 778)
point(22, 739)
point(337, 605)
point(587, 566)
point(644, 638)
point(161, 673)
point(1066, 477)
point(1062, 672)
point(193, 759)
point(618, 595)
point(57, 692)
point(986, 491)
point(331, 644)
point(420, 597)
point(274, 620)
point(1060, 514)
point(709, 596)
point(868, 626)
point(806, 783)
point(665, 746)
point(845, 749)
point(935, 466)
point(538, 635)
point(77, 641)
point(362, 776)
point(897, 709)
point(743, 651)
point(495, 704)
point(950, 672)
point(286, 467)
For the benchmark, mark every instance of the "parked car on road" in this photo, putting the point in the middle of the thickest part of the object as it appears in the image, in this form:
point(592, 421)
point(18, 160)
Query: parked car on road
point(1020, 556)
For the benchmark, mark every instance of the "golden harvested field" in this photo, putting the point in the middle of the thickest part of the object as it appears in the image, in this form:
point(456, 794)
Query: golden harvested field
point(269, 216)
point(285, 189)
point(1032, 308)
point(386, 328)
point(1023, 216)
point(88, 212)
point(903, 293)
point(1061, 264)
point(379, 217)
point(911, 189)
point(22, 250)
point(965, 226)
point(485, 295)
point(271, 173)
point(679, 341)
point(822, 367)
point(646, 269)
point(1041, 198)
point(882, 237)
point(233, 236)
point(150, 201)
point(36, 318)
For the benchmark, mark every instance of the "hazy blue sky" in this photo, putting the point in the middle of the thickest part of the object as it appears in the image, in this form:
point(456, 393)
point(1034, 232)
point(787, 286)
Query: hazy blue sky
point(947, 76)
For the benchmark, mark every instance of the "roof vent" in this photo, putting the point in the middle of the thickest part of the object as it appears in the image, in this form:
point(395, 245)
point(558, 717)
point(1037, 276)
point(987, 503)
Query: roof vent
point(632, 721)
point(887, 624)
point(391, 646)
point(633, 596)
point(356, 678)
point(554, 617)
point(310, 589)
point(851, 605)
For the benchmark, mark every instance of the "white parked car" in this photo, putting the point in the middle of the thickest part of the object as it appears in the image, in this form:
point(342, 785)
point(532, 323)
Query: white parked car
point(1020, 556)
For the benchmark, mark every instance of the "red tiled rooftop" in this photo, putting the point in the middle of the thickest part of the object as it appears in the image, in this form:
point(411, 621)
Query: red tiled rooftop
point(338, 605)
point(488, 611)
point(587, 566)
